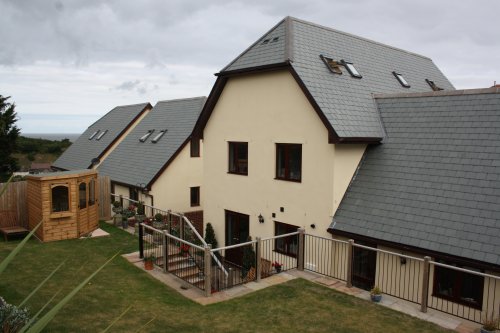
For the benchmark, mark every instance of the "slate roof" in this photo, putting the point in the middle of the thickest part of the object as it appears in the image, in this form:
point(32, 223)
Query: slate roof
point(80, 154)
point(435, 181)
point(345, 101)
point(134, 162)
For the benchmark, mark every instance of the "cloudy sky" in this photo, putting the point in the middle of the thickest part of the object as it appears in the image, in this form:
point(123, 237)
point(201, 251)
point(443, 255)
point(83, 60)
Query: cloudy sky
point(67, 63)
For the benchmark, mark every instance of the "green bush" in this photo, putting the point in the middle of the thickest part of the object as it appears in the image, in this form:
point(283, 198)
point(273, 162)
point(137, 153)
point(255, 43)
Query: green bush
point(12, 318)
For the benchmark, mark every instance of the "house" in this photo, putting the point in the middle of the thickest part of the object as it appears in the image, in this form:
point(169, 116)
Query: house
point(157, 163)
point(307, 113)
point(100, 138)
point(40, 168)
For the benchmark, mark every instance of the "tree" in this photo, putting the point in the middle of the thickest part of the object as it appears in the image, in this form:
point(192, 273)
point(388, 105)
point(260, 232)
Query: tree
point(8, 137)
point(210, 236)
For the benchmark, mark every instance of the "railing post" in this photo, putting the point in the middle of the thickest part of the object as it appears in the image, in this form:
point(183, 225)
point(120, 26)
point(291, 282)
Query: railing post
point(121, 200)
point(165, 251)
point(350, 248)
point(300, 259)
point(208, 270)
point(258, 255)
point(425, 284)
point(141, 241)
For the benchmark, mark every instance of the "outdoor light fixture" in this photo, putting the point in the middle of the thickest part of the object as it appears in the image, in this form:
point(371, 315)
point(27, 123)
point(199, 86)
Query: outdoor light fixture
point(313, 226)
point(261, 218)
point(402, 260)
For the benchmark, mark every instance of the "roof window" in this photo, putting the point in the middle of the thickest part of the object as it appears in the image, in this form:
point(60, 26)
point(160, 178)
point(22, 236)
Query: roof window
point(332, 65)
point(99, 137)
point(158, 136)
point(265, 41)
point(93, 135)
point(275, 39)
point(401, 79)
point(433, 85)
point(146, 136)
point(351, 69)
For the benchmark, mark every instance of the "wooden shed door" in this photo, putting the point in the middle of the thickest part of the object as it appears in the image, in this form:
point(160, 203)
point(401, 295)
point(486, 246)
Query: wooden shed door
point(83, 211)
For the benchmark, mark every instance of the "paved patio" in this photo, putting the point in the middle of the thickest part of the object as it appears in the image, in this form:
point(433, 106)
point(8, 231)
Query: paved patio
point(439, 318)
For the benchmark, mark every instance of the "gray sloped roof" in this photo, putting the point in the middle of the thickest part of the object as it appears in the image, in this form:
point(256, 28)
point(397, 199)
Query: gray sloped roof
point(435, 181)
point(345, 101)
point(134, 162)
point(80, 154)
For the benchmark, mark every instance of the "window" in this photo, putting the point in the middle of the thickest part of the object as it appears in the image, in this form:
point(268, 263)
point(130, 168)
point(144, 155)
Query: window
point(238, 158)
point(60, 198)
point(265, 41)
point(458, 287)
point(158, 136)
point(99, 137)
point(146, 136)
point(433, 85)
point(92, 192)
point(401, 79)
point(133, 193)
point(93, 135)
point(195, 196)
point(195, 147)
point(289, 161)
point(82, 195)
point(275, 39)
point(286, 245)
point(351, 69)
point(332, 65)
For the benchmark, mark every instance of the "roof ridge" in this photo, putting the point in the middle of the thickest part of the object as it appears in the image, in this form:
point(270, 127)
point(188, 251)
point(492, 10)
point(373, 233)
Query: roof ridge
point(254, 43)
point(181, 99)
point(476, 91)
point(356, 36)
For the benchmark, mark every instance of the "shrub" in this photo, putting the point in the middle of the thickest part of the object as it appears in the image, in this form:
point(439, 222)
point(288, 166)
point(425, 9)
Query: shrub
point(12, 318)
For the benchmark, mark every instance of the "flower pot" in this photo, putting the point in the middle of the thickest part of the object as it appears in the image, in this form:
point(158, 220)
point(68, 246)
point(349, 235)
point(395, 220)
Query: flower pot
point(117, 210)
point(484, 330)
point(148, 265)
point(376, 298)
point(278, 269)
point(124, 224)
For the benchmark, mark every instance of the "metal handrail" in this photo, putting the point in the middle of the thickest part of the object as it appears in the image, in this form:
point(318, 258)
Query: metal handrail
point(435, 263)
point(201, 239)
point(388, 252)
point(281, 236)
point(233, 246)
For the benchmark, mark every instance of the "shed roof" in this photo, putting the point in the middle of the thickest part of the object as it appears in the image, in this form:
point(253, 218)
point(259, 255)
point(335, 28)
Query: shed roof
point(346, 102)
point(80, 154)
point(434, 183)
point(134, 162)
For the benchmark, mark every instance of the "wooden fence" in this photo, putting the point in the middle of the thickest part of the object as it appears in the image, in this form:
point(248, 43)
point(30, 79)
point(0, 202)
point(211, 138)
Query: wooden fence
point(15, 198)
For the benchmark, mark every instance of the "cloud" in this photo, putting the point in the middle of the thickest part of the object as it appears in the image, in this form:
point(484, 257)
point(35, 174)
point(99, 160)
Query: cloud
point(128, 85)
point(137, 86)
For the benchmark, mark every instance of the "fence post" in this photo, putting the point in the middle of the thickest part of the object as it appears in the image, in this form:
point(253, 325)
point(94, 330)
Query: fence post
point(300, 259)
point(208, 270)
point(425, 284)
point(165, 251)
point(141, 241)
point(350, 247)
point(258, 256)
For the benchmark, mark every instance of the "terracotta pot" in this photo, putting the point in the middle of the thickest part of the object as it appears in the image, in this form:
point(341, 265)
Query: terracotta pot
point(148, 265)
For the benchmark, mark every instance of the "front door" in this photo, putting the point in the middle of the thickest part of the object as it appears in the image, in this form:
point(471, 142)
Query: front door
point(83, 212)
point(364, 265)
point(237, 231)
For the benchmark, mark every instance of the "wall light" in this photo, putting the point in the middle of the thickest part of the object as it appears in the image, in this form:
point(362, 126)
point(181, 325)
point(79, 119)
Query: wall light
point(261, 218)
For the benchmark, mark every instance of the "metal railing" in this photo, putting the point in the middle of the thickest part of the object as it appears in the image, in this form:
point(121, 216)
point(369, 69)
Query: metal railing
point(279, 253)
point(332, 265)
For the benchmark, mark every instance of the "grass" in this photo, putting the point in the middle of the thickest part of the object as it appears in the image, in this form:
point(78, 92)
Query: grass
point(298, 305)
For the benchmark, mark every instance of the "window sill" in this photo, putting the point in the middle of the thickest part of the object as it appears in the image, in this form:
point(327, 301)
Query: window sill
point(289, 180)
point(237, 173)
point(60, 215)
point(195, 205)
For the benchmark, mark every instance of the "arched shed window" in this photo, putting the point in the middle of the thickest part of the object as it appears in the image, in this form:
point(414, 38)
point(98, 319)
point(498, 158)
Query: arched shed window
point(82, 195)
point(60, 198)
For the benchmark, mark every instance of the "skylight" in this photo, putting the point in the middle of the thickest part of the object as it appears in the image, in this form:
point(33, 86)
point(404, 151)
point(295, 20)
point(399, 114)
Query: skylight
point(99, 137)
point(351, 69)
point(433, 85)
point(265, 41)
point(332, 65)
point(401, 79)
point(146, 136)
point(158, 136)
point(275, 39)
point(93, 135)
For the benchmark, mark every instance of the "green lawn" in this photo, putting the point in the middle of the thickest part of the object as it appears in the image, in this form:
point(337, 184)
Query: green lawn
point(295, 306)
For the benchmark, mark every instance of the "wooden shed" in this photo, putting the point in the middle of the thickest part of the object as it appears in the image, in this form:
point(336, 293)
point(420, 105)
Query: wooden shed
point(66, 201)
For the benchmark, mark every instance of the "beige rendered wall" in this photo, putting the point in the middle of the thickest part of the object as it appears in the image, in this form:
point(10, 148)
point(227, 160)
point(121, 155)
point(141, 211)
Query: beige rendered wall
point(172, 189)
point(265, 109)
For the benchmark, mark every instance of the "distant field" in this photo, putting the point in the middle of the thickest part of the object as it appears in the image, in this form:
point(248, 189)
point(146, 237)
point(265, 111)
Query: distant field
point(53, 136)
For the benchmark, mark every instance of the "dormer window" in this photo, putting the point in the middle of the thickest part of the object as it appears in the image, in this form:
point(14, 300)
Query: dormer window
point(433, 85)
point(332, 65)
point(99, 137)
point(401, 79)
point(146, 136)
point(158, 136)
point(351, 69)
point(93, 135)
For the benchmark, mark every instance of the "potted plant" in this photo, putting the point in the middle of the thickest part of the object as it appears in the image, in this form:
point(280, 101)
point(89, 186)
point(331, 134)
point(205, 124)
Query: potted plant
point(140, 212)
point(184, 249)
point(158, 221)
point(490, 325)
point(149, 261)
point(117, 208)
point(376, 294)
point(277, 266)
